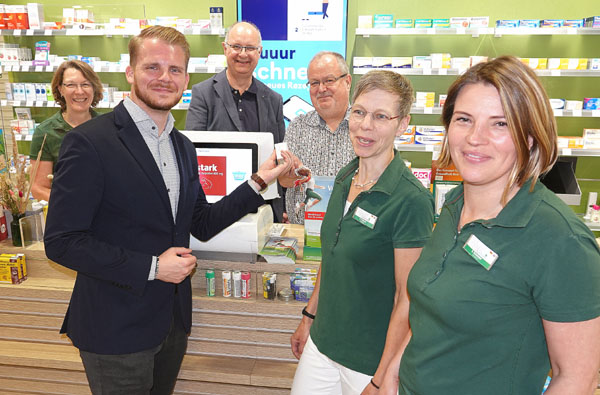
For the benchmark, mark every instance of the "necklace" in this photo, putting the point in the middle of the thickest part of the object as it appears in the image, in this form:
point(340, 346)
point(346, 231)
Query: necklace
point(361, 186)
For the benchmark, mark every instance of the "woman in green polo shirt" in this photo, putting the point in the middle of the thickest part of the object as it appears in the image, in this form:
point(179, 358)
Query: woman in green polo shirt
point(77, 88)
point(509, 284)
point(378, 218)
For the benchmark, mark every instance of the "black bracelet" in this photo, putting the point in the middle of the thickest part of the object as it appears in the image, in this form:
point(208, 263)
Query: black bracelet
point(306, 313)
point(374, 385)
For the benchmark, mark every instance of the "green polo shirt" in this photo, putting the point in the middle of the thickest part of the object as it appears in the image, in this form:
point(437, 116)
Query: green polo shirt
point(478, 331)
point(357, 288)
point(55, 128)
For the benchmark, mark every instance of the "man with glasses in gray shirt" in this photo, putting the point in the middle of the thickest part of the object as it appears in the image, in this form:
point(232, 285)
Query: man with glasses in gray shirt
point(320, 138)
point(234, 100)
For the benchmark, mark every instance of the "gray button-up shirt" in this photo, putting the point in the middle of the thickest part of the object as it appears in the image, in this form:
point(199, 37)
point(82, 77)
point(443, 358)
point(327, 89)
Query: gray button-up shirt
point(324, 152)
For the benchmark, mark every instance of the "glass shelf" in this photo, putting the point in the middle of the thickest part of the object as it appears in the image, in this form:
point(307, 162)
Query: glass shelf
point(112, 68)
point(477, 31)
point(103, 32)
point(39, 103)
point(436, 71)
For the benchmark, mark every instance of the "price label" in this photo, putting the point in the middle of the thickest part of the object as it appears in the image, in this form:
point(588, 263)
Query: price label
point(555, 73)
point(16, 32)
point(39, 69)
point(460, 30)
point(443, 71)
point(428, 110)
point(29, 32)
point(577, 113)
point(426, 71)
point(595, 113)
point(429, 148)
point(558, 112)
point(39, 103)
point(113, 68)
point(47, 32)
point(29, 103)
point(566, 152)
point(49, 69)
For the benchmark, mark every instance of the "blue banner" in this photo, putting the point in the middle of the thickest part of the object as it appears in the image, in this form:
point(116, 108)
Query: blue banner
point(293, 32)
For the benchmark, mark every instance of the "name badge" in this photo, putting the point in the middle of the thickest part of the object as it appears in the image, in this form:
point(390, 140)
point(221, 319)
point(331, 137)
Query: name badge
point(480, 252)
point(365, 218)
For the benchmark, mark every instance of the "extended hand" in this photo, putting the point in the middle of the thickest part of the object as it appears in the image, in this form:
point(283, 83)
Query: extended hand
point(289, 178)
point(175, 264)
point(269, 170)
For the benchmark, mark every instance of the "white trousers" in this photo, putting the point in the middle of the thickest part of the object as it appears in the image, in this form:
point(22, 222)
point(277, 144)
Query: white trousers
point(318, 375)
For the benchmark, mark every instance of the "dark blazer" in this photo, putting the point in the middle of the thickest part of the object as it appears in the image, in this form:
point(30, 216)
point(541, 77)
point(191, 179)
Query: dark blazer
point(109, 214)
point(212, 108)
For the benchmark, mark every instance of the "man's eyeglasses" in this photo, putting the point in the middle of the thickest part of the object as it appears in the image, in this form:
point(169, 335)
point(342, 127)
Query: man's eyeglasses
point(72, 86)
point(379, 118)
point(250, 49)
point(327, 82)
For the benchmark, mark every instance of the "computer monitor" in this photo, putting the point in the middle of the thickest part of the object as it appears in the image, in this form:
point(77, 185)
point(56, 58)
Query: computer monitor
point(228, 159)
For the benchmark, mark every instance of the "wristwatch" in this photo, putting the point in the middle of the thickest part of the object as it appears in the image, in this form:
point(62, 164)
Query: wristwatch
point(257, 179)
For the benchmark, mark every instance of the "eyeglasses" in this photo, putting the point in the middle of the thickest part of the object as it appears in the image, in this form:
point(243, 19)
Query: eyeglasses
point(250, 49)
point(329, 81)
point(379, 118)
point(72, 86)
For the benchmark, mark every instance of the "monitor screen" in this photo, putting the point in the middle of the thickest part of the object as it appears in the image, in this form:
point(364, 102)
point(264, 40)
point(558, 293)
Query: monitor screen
point(222, 167)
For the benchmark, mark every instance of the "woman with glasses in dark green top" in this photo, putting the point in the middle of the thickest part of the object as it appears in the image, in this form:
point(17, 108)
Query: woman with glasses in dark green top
point(77, 88)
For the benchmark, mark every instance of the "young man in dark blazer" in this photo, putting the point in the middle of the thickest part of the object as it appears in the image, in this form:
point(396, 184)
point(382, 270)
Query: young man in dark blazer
point(233, 100)
point(125, 197)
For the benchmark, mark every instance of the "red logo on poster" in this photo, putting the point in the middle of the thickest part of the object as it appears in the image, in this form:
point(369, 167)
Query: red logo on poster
point(213, 174)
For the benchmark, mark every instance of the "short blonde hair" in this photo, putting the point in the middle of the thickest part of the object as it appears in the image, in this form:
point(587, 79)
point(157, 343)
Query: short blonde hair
point(390, 82)
point(167, 34)
point(527, 111)
point(87, 72)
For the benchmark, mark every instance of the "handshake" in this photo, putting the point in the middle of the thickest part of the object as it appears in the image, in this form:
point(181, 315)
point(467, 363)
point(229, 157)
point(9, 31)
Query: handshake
point(297, 175)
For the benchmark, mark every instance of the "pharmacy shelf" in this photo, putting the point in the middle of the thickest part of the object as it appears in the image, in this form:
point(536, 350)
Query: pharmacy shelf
point(410, 71)
point(568, 73)
point(594, 226)
point(112, 68)
point(475, 32)
point(426, 110)
point(545, 31)
point(577, 113)
point(437, 147)
point(438, 71)
point(417, 147)
point(103, 32)
point(423, 31)
point(578, 152)
point(40, 103)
